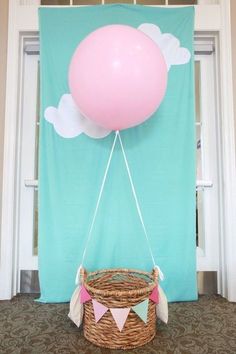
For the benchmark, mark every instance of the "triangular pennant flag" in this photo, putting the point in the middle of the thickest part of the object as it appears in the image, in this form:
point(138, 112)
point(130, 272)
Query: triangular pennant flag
point(99, 310)
point(120, 316)
point(154, 295)
point(141, 310)
point(84, 295)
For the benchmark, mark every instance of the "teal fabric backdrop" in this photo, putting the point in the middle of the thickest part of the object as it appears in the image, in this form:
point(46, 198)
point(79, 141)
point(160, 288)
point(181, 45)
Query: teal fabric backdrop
point(161, 153)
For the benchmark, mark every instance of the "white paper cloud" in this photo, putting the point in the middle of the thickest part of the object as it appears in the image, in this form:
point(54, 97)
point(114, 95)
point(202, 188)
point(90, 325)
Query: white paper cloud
point(68, 122)
point(169, 45)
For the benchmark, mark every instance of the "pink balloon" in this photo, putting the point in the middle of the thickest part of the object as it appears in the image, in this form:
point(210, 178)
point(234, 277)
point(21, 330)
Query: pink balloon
point(117, 77)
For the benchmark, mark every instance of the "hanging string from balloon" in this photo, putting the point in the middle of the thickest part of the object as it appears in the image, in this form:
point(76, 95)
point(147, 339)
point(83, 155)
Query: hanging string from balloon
point(99, 198)
point(136, 201)
point(117, 135)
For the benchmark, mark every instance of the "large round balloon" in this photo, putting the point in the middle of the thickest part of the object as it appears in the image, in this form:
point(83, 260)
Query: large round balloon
point(117, 77)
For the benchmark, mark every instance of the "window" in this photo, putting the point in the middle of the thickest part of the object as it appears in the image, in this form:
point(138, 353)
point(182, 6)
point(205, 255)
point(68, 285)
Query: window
point(143, 2)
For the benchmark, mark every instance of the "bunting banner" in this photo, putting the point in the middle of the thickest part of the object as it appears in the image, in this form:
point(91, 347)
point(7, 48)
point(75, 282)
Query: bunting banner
point(119, 314)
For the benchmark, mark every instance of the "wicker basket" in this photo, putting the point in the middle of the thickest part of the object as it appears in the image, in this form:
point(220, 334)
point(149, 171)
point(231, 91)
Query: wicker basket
point(119, 288)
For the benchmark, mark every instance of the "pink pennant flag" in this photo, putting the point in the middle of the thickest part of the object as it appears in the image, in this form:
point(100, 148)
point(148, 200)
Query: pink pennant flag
point(120, 316)
point(154, 295)
point(84, 295)
point(99, 310)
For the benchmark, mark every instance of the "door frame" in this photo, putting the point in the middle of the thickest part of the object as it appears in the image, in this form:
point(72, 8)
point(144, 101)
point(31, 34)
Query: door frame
point(23, 18)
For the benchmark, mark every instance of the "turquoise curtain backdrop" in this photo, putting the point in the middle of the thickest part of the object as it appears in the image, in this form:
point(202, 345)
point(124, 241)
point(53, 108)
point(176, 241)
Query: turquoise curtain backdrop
point(161, 154)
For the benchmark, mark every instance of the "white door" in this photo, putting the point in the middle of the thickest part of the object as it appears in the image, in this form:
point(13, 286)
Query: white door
point(28, 172)
point(208, 159)
point(207, 193)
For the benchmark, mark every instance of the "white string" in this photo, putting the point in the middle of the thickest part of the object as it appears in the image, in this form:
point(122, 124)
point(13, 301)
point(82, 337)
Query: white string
point(160, 274)
point(99, 198)
point(77, 278)
point(136, 200)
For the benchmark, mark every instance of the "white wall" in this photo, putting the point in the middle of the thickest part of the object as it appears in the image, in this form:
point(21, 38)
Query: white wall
point(233, 32)
point(3, 61)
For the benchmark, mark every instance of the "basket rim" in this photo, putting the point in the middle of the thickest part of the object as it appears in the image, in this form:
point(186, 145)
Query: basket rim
point(153, 276)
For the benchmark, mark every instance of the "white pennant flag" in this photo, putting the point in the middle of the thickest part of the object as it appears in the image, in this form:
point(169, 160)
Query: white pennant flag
point(120, 316)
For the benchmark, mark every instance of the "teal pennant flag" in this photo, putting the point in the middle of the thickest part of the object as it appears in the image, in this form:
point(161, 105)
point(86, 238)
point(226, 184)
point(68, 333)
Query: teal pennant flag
point(142, 310)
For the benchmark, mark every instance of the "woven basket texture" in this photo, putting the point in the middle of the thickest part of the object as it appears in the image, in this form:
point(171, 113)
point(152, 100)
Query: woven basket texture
point(119, 288)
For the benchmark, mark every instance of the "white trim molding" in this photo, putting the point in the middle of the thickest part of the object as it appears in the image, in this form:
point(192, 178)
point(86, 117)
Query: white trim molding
point(227, 274)
point(29, 2)
point(23, 18)
point(8, 240)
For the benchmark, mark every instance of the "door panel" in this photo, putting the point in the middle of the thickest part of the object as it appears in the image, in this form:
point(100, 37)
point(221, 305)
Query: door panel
point(28, 216)
point(207, 164)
